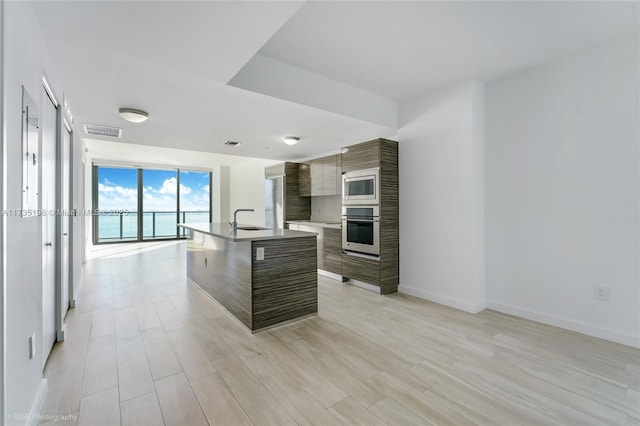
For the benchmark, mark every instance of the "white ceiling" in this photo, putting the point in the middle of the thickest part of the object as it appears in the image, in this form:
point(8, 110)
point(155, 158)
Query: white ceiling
point(130, 154)
point(175, 58)
point(401, 49)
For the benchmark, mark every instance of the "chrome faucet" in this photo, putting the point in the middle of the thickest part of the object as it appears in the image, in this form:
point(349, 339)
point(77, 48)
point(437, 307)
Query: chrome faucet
point(234, 224)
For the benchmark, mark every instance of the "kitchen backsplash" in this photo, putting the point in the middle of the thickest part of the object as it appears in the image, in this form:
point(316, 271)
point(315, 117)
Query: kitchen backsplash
point(326, 209)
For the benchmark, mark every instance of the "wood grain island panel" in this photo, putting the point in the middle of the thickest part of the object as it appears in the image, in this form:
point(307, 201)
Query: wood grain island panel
point(285, 283)
point(259, 292)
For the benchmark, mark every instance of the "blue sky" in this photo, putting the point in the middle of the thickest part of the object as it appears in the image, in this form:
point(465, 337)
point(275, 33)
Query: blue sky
point(117, 189)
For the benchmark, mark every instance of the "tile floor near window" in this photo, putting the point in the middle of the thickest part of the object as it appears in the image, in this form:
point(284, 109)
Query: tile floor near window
point(145, 347)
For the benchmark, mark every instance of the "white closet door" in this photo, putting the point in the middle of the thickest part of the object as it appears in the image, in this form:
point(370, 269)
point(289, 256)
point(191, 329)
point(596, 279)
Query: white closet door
point(64, 233)
point(48, 197)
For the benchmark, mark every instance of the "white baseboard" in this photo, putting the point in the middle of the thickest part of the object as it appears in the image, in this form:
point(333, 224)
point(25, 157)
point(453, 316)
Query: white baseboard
point(364, 285)
point(60, 334)
point(77, 289)
point(330, 275)
point(36, 407)
point(472, 308)
point(542, 317)
point(569, 324)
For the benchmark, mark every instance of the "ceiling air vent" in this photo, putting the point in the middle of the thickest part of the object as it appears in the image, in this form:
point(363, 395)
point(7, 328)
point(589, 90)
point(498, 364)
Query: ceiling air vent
point(232, 143)
point(100, 130)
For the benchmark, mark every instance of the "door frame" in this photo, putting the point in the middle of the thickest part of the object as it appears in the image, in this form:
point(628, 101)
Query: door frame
point(62, 214)
point(48, 96)
point(3, 204)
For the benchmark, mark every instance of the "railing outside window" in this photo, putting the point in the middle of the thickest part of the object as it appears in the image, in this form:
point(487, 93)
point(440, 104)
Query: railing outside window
point(157, 225)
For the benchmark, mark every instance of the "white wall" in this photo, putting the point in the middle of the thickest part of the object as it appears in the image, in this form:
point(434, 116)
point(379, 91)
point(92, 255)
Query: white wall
point(77, 224)
point(562, 192)
point(271, 77)
point(246, 190)
point(2, 227)
point(441, 177)
point(220, 195)
point(25, 63)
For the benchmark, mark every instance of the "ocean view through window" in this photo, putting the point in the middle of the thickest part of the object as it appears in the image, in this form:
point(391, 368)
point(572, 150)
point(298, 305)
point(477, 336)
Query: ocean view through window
point(147, 204)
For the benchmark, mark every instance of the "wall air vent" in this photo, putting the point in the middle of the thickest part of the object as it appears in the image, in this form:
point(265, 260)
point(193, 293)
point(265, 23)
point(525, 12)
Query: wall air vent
point(232, 143)
point(100, 130)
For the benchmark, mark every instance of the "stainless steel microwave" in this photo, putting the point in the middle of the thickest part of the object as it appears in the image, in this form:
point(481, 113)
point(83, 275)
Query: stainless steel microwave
point(361, 187)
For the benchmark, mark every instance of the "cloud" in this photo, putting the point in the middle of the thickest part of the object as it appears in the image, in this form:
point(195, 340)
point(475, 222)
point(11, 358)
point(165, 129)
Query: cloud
point(116, 197)
point(161, 199)
point(127, 192)
point(105, 188)
point(159, 203)
point(169, 186)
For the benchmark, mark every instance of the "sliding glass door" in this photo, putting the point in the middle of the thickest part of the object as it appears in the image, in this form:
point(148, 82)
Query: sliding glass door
point(195, 198)
point(135, 204)
point(116, 204)
point(159, 204)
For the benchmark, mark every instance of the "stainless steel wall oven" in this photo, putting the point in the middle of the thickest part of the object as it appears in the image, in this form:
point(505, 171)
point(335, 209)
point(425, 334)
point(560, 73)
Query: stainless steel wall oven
point(361, 229)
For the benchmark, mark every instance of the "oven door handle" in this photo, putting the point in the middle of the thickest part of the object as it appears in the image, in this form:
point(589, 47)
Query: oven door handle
point(353, 219)
point(358, 178)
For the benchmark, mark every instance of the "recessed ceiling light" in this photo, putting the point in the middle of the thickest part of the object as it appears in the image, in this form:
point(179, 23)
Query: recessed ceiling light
point(232, 143)
point(290, 140)
point(133, 115)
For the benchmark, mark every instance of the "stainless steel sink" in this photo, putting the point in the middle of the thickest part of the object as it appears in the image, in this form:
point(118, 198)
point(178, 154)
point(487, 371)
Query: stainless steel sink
point(251, 228)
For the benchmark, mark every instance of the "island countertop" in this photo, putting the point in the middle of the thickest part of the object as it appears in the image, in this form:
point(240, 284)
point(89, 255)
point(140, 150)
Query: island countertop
point(223, 230)
point(318, 223)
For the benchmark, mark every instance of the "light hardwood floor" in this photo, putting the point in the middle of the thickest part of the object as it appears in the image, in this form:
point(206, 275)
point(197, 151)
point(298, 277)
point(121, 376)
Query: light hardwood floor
point(145, 347)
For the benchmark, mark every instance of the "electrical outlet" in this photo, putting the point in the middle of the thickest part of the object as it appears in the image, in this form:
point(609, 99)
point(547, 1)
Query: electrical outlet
point(601, 293)
point(260, 253)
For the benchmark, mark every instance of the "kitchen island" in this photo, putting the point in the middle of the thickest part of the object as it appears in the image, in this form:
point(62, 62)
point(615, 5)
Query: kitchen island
point(263, 277)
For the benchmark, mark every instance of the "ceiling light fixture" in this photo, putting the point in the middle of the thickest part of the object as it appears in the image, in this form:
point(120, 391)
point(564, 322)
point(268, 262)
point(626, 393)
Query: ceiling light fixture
point(290, 140)
point(133, 115)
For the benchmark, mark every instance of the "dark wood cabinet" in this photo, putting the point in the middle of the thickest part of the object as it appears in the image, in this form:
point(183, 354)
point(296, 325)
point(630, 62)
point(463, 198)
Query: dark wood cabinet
point(329, 245)
point(296, 207)
point(323, 176)
point(365, 155)
point(304, 180)
point(333, 250)
point(361, 269)
point(385, 271)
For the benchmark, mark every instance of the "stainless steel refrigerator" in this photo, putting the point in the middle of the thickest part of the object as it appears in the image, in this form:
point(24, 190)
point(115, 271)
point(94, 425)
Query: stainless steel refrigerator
point(274, 202)
point(281, 199)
